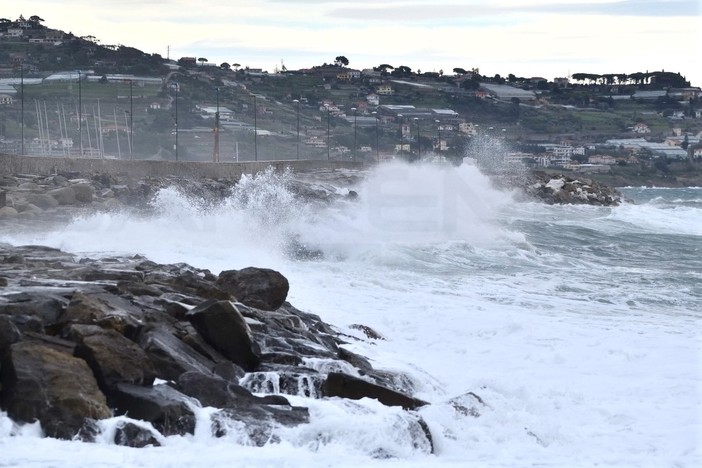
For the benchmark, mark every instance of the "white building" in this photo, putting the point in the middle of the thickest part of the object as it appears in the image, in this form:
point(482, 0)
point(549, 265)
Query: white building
point(641, 128)
point(468, 128)
point(601, 159)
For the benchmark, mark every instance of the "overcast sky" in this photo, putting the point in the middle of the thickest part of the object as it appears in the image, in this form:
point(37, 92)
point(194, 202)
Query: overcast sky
point(549, 38)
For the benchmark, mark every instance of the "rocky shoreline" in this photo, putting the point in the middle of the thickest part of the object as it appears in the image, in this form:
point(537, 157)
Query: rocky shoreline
point(559, 189)
point(28, 197)
point(86, 339)
point(83, 339)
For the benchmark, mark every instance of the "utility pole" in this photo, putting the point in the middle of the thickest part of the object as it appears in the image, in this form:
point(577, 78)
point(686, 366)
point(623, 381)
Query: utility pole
point(399, 130)
point(255, 130)
point(215, 155)
point(328, 141)
point(131, 121)
point(377, 146)
point(22, 107)
point(176, 86)
point(80, 114)
point(419, 141)
point(354, 132)
point(297, 101)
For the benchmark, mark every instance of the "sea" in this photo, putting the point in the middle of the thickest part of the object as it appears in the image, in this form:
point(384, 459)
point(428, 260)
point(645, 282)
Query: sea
point(579, 327)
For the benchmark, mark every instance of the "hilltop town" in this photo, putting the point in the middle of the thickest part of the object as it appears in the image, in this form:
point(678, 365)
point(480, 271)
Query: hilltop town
point(68, 96)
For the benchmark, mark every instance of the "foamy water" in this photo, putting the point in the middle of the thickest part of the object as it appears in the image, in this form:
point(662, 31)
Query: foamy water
point(577, 325)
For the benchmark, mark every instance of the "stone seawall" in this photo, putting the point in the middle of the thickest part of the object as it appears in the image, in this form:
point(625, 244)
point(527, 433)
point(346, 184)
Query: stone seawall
point(13, 164)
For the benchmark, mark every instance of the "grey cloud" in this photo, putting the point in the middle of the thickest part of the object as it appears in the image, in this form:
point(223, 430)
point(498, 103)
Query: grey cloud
point(433, 12)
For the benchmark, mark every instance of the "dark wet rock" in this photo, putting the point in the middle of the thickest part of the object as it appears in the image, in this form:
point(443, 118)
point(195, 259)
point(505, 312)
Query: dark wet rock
point(260, 415)
point(261, 288)
point(356, 360)
point(130, 435)
point(106, 310)
point(170, 356)
point(59, 390)
point(130, 320)
point(161, 405)
point(9, 333)
point(45, 306)
point(228, 371)
point(223, 327)
point(115, 359)
point(347, 386)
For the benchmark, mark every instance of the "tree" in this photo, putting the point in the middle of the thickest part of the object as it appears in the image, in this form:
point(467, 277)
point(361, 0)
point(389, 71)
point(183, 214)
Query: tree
point(35, 19)
point(459, 71)
point(383, 68)
point(225, 66)
point(341, 61)
point(402, 70)
point(202, 60)
point(685, 143)
point(236, 66)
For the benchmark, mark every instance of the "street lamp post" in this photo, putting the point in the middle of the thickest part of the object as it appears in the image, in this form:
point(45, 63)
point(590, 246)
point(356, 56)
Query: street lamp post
point(131, 121)
point(328, 140)
point(354, 132)
point(176, 87)
point(419, 139)
point(80, 114)
point(297, 101)
point(22, 108)
point(255, 129)
point(215, 152)
point(399, 130)
point(377, 146)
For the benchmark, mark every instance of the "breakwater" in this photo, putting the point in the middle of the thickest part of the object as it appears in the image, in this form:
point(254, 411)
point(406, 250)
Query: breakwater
point(14, 164)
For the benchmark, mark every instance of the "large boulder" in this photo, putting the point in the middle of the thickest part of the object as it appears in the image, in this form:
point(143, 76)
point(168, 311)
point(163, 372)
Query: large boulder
point(9, 333)
point(170, 355)
point(260, 415)
point(262, 288)
point(115, 359)
point(42, 200)
point(44, 305)
point(129, 434)
point(84, 192)
point(107, 310)
point(59, 390)
point(346, 386)
point(161, 405)
point(64, 195)
point(226, 330)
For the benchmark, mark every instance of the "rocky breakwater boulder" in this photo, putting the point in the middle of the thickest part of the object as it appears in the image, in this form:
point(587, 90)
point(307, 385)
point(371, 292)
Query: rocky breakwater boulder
point(87, 339)
point(29, 196)
point(562, 189)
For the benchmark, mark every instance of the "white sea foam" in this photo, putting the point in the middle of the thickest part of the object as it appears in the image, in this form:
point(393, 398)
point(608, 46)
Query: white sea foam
point(578, 326)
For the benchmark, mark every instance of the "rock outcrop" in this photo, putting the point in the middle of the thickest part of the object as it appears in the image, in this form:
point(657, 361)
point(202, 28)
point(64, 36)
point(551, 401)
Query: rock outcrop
point(83, 340)
point(560, 189)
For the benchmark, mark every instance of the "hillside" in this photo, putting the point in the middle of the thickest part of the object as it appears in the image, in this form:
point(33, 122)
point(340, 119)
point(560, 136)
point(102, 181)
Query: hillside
point(81, 96)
